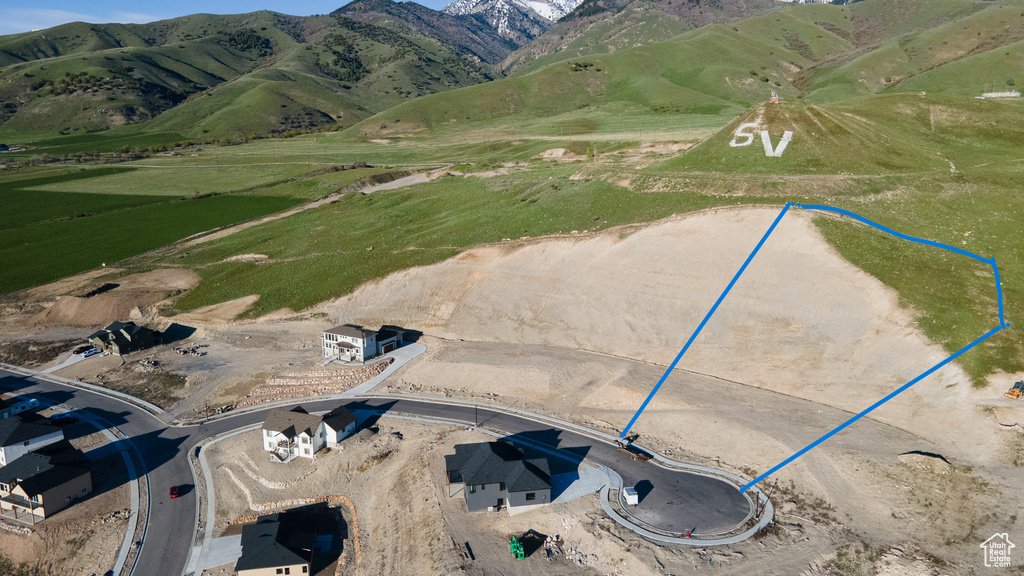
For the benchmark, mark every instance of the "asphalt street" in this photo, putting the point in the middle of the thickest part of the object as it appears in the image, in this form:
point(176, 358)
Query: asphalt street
point(670, 499)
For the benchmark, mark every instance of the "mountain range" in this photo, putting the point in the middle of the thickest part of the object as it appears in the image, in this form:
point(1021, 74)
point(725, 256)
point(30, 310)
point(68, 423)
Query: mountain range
point(228, 77)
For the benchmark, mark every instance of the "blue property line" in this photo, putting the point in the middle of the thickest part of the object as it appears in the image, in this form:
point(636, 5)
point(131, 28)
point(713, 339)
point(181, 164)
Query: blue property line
point(891, 395)
point(999, 292)
point(693, 336)
point(859, 218)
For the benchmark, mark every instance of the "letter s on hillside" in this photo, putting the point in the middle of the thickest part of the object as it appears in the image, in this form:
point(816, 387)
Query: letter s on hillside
point(743, 132)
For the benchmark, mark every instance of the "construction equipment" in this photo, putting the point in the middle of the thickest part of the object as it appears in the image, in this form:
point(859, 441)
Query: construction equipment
point(517, 549)
point(1016, 392)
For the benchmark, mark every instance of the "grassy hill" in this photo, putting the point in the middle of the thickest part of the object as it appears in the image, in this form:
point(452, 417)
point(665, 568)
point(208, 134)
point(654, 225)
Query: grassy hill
point(219, 76)
point(602, 26)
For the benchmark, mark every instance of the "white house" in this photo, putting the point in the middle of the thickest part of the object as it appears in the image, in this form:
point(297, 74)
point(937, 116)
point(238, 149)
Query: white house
point(354, 343)
point(291, 433)
point(10, 405)
point(338, 424)
point(18, 437)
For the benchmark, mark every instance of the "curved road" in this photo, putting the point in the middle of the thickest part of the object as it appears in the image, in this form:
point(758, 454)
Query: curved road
point(671, 499)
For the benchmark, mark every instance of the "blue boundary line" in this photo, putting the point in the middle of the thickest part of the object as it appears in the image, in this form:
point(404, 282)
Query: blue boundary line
point(891, 395)
point(693, 336)
point(871, 408)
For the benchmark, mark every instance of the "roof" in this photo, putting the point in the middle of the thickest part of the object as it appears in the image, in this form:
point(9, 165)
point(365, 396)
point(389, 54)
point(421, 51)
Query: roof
point(494, 462)
point(262, 546)
point(292, 422)
point(339, 418)
point(351, 330)
point(36, 472)
point(15, 430)
point(385, 333)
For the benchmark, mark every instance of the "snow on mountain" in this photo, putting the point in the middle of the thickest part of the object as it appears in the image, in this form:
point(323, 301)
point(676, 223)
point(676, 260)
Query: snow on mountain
point(548, 9)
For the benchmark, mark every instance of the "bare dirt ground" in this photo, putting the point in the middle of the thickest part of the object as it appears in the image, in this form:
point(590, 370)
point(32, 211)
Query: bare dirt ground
point(409, 525)
point(581, 328)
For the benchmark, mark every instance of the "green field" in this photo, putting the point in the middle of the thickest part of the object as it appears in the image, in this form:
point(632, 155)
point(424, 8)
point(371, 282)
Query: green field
point(879, 96)
point(41, 252)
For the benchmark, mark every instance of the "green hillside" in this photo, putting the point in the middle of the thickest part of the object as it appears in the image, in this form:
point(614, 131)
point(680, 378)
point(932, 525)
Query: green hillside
point(702, 78)
point(209, 76)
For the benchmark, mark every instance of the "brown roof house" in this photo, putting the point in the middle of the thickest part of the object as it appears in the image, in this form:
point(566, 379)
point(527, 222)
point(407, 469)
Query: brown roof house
point(124, 337)
point(38, 484)
point(353, 343)
point(268, 549)
point(495, 475)
point(289, 433)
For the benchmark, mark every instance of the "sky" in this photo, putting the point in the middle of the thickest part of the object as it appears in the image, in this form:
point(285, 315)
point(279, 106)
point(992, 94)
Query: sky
point(26, 15)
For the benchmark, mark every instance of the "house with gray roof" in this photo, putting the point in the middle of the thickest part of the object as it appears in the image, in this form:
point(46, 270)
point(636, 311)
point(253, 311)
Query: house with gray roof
point(353, 343)
point(19, 436)
point(123, 337)
point(39, 484)
point(268, 549)
point(495, 475)
point(290, 433)
point(338, 425)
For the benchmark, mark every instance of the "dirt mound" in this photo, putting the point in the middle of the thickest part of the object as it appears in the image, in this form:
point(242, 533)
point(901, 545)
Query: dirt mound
point(223, 312)
point(247, 258)
point(927, 461)
point(129, 297)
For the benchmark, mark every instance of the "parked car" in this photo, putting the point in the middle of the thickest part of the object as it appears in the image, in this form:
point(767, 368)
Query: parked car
point(63, 419)
point(90, 352)
point(81, 349)
point(174, 491)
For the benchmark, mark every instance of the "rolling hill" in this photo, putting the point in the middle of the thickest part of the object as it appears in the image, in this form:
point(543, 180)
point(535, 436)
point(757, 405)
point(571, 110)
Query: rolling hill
point(230, 76)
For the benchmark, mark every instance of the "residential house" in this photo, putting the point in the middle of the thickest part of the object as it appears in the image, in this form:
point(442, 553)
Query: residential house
point(338, 425)
point(38, 484)
point(19, 436)
point(11, 405)
point(353, 343)
point(291, 433)
point(123, 337)
point(493, 475)
point(269, 550)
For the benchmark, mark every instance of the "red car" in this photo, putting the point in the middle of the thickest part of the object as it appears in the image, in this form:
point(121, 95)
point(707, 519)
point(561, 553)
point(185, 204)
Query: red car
point(81, 349)
point(174, 491)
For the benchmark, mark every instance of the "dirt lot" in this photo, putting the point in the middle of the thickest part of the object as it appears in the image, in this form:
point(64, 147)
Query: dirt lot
point(582, 327)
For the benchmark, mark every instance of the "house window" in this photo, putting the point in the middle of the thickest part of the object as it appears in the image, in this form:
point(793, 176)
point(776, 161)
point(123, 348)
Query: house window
point(472, 488)
point(531, 495)
point(26, 443)
point(305, 569)
point(83, 490)
point(280, 570)
point(501, 486)
point(305, 440)
point(4, 488)
point(68, 497)
point(37, 499)
point(287, 570)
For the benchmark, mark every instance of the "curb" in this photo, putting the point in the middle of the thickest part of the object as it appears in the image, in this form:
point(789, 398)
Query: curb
point(151, 408)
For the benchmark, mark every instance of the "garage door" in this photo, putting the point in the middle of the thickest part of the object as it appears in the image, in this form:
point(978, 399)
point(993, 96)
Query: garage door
point(388, 347)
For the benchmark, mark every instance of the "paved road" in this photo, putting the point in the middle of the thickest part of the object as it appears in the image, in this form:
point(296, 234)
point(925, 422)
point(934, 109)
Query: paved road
point(671, 500)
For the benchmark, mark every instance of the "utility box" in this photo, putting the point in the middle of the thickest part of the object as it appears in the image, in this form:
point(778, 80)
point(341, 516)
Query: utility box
point(632, 498)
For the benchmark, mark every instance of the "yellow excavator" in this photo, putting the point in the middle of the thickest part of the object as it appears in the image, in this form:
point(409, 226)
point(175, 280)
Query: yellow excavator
point(1016, 392)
